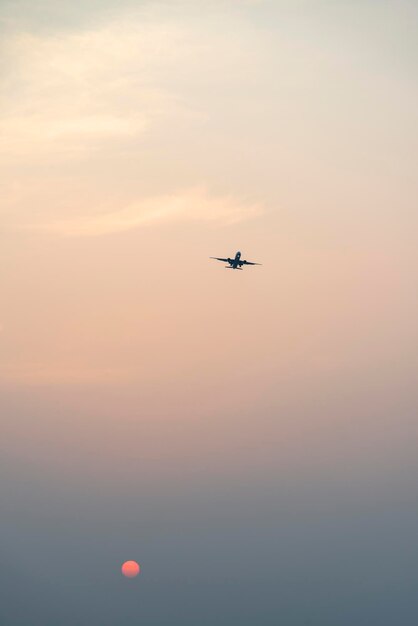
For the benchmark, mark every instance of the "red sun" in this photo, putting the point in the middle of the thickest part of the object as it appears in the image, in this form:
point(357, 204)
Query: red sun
point(130, 569)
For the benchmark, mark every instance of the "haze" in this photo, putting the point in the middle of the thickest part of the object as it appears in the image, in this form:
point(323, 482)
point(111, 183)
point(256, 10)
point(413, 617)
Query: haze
point(250, 438)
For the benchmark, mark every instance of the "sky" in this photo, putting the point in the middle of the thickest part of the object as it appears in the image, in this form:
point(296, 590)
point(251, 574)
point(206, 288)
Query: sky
point(250, 438)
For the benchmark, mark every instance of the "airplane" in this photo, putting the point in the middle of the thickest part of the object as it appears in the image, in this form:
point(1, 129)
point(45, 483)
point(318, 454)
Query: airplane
point(235, 263)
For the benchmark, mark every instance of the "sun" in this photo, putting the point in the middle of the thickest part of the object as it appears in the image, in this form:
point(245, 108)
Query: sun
point(130, 569)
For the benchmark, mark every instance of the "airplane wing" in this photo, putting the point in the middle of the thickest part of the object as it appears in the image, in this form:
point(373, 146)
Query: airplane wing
point(249, 263)
point(219, 259)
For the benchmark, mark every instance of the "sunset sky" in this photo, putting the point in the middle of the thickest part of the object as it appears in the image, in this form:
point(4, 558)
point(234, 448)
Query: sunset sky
point(250, 438)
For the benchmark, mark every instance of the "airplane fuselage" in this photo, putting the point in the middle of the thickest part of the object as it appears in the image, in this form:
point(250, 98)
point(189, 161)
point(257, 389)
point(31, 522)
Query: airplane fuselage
point(235, 262)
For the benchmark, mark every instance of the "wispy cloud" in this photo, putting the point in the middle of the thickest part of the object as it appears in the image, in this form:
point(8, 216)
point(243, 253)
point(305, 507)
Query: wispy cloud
point(65, 92)
point(79, 108)
point(192, 204)
point(61, 94)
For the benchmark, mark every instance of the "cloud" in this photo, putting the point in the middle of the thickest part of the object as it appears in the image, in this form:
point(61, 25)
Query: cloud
point(64, 93)
point(67, 93)
point(192, 204)
point(95, 118)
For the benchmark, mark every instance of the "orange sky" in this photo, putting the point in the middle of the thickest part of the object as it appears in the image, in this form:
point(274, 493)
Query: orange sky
point(138, 145)
point(138, 140)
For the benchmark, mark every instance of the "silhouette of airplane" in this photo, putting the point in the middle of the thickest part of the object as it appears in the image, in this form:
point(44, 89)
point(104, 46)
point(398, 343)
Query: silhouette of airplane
point(235, 263)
